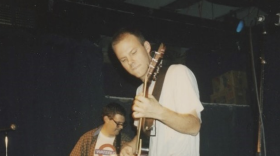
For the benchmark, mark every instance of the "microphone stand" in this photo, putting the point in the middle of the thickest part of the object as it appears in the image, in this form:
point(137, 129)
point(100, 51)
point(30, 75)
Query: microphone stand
point(6, 130)
point(6, 142)
point(259, 96)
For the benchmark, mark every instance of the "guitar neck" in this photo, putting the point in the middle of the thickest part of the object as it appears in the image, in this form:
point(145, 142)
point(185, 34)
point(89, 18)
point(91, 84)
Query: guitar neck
point(140, 124)
point(151, 72)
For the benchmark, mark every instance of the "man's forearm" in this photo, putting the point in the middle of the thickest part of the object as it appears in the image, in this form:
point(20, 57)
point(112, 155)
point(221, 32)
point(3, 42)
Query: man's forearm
point(184, 123)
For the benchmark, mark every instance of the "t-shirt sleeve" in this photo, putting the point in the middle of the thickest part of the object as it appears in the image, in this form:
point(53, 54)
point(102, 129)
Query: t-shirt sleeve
point(185, 89)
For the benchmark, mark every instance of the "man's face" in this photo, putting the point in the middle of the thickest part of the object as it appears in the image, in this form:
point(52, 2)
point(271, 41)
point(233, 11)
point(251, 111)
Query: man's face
point(116, 124)
point(133, 56)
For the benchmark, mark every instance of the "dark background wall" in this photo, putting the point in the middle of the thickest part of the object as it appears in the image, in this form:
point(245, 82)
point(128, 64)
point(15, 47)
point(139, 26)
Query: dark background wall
point(50, 87)
point(271, 96)
point(54, 81)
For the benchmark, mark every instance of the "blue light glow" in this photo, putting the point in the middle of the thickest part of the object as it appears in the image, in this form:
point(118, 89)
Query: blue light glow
point(240, 26)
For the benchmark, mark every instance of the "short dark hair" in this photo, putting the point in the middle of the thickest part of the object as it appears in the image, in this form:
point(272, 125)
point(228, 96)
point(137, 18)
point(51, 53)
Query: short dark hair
point(112, 109)
point(118, 36)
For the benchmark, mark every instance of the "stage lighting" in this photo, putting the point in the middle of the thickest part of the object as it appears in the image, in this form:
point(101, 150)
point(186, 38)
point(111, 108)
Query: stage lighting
point(234, 24)
point(267, 22)
point(240, 26)
point(270, 19)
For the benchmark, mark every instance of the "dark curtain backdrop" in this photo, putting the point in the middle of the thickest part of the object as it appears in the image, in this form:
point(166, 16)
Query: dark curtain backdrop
point(271, 92)
point(51, 88)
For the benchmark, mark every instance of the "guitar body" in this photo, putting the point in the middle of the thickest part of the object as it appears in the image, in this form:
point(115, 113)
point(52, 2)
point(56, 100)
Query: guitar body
point(145, 143)
point(146, 124)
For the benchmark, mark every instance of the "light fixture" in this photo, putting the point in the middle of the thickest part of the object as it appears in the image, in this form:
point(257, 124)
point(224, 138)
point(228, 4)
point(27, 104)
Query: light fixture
point(268, 21)
point(234, 24)
point(240, 26)
point(273, 19)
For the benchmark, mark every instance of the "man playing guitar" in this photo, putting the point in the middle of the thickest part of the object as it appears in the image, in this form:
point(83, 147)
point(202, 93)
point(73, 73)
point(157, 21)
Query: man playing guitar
point(176, 114)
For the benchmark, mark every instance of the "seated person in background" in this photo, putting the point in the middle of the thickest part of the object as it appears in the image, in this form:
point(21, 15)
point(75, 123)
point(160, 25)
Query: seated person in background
point(105, 139)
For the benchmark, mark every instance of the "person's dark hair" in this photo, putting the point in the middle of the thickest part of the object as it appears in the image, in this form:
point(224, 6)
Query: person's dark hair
point(118, 36)
point(112, 109)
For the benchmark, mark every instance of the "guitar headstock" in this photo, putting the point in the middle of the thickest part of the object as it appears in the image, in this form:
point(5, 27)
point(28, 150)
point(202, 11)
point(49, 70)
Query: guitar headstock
point(156, 62)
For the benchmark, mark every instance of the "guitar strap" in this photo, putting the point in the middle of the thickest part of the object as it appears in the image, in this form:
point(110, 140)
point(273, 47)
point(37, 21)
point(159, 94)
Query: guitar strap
point(159, 83)
point(118, 143)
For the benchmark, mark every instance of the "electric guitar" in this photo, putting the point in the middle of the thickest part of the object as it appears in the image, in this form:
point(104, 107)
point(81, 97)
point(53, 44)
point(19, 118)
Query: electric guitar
point(145, 124)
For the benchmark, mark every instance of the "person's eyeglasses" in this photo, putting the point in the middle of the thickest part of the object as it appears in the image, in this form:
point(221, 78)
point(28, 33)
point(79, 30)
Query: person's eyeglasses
point(119, 124)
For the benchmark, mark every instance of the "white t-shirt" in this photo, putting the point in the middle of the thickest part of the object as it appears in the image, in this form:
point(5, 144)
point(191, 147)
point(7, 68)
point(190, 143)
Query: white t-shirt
point(180, 94)
point(104, 146)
